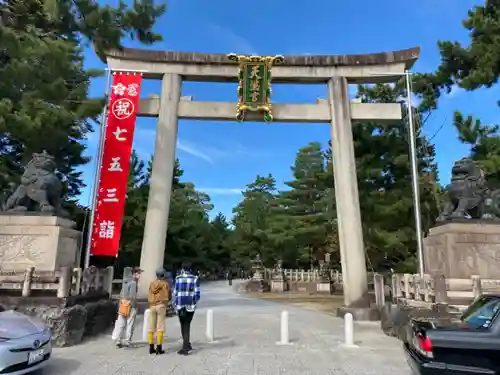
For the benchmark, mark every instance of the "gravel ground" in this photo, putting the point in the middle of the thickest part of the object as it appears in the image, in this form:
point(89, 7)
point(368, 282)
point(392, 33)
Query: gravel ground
point(246, 332)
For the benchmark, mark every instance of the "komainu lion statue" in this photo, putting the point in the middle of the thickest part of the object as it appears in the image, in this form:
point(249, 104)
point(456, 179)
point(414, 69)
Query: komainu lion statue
point(40, 189)
point(469, 197)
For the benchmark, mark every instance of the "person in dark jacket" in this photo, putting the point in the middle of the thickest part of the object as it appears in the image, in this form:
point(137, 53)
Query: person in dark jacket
point(230, 277)
point(185, 297)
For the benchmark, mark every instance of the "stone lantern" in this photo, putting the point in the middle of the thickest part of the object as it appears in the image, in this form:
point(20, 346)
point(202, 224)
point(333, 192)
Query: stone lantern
point(278, 282)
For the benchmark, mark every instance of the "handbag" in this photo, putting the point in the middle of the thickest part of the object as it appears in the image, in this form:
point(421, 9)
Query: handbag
point(124, 308)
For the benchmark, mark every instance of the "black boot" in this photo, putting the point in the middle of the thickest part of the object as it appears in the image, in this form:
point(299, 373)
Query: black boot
point(159, 350)
point(152, 349)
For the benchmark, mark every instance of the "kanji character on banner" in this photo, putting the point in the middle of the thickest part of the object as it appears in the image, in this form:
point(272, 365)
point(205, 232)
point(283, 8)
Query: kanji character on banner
point(133, 89)
point(110, 195)
point(122, 108)
point(106, 229)
point(119, 89)
point(115, 166)
point(118, 134)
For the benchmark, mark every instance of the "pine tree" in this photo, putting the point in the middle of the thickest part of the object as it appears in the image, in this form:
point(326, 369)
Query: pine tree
point(300, 220)
point(251, 222)
point(477, 64)
point(484, 142)
point(189, 231)
point(332, 237)
point(43, 104)
point(102, 24)
point(471, 66)
point(43, 85)
point(134, 216)
point(219, 251)
point(384, 181)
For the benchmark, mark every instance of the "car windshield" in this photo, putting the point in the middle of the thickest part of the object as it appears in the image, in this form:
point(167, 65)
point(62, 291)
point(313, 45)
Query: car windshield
point(482, 312)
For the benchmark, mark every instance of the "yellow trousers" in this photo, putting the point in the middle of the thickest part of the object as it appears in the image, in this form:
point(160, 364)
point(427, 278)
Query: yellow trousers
point(159, 338)
point(157, 316)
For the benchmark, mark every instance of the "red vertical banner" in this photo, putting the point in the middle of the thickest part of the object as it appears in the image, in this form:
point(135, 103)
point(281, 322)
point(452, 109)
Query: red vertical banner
point(115, 164)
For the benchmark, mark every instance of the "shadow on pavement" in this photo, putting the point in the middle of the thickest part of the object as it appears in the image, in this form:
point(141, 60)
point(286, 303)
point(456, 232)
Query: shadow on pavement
point(222, 342)
point(236, 302)
point(63, 365)
point(143, 344)
point(221, 338)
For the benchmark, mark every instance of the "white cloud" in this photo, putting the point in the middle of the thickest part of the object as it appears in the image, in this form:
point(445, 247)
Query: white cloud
point(241, 150)
point(212, 150)
point(144, 145)
point(194, 150)
point(221, 191)
point(235, 41)
point(455, 90)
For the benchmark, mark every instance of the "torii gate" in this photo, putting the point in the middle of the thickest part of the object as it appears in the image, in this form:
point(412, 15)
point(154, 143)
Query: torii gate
point(337, 71)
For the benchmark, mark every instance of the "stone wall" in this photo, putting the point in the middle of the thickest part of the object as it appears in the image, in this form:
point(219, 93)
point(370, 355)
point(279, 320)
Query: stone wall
point(313, 287)
point(300, 287)
point(256, 286)
point(303, 286)
point(395, 317)
point(71, 319)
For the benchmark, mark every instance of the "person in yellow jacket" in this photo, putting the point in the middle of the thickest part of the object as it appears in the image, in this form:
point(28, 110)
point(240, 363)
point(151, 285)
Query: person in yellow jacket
point(158, 296)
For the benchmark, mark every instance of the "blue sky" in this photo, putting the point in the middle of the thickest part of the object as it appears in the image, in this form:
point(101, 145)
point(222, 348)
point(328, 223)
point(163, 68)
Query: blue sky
point(222, 157)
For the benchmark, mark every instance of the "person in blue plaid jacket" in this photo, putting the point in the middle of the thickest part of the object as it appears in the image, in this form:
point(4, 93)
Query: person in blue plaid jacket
point(185, 296)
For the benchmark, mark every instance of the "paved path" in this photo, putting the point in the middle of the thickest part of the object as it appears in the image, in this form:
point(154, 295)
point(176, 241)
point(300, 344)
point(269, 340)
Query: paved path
point(246, 331)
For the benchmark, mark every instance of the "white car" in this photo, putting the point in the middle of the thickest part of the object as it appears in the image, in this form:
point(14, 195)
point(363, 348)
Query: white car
point(25, 343)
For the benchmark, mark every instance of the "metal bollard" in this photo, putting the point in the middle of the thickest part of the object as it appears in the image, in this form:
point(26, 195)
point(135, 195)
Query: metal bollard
point(284, 338)
point(210, 326)
point(284, 328)
point(349, 331)
point(147, 315)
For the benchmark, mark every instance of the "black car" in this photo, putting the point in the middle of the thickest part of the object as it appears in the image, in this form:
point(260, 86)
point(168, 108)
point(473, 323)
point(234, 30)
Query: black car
point(469, 346)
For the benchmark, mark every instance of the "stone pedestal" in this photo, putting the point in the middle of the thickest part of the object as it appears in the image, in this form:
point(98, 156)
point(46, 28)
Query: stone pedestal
point(278, 285)
point(460, 250)
point(44, 242)
point(324, 287)
point(360, 314)
point(257, 286)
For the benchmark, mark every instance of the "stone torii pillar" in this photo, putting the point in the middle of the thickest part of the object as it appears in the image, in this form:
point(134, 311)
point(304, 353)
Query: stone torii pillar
point(350, 228)
point(160, 190)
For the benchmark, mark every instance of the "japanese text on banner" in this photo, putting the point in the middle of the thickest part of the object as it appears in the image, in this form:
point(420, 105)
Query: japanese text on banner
point(115, 164)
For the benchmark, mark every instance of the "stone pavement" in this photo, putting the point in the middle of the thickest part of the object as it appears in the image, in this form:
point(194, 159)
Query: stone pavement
point(246, 331)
